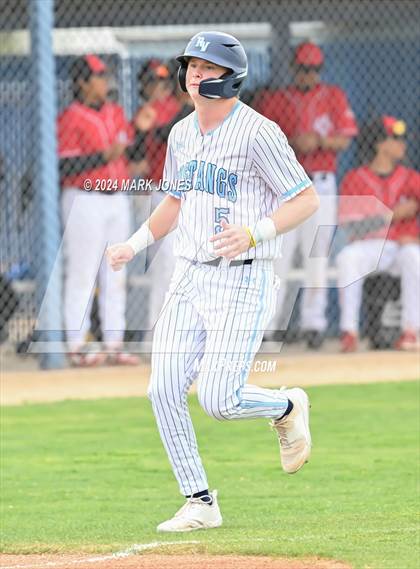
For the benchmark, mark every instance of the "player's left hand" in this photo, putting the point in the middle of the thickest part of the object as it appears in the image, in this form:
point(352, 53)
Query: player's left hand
point(232, 241)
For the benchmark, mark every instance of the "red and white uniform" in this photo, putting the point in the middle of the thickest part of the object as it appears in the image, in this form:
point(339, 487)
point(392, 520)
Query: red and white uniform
point(326, 111)
point(83, 130)
point(395, 249)
point(92, 220)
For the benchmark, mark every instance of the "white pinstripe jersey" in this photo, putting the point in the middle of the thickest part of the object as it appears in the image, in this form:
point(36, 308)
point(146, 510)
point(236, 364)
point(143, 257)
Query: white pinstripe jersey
point(239, 172)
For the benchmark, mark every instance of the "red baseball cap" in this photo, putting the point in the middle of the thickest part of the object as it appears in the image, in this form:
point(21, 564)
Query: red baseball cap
point(160, 71)
point(309, 55)
point(95, 64)
point(394, 126)
point(85, 66)
point(154, 70)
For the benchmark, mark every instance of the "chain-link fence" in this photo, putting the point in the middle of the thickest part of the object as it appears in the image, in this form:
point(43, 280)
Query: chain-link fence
point(88, 94)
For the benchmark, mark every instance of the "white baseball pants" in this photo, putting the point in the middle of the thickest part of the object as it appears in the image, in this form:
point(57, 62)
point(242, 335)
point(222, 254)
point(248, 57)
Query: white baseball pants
point(209, 330)
point(92, 221)
point(362, 258)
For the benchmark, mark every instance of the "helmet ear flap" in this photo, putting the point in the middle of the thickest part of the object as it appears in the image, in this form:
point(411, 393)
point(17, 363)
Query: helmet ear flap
point(182, 76)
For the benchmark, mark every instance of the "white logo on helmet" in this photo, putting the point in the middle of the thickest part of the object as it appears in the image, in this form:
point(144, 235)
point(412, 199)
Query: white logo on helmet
point(202, 43)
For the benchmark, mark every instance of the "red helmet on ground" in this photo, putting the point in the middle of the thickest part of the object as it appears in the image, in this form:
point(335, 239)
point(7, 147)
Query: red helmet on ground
point(308, 54)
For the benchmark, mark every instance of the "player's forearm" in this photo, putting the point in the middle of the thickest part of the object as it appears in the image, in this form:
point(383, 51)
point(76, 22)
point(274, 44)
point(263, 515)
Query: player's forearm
point(236, 239)
point(296, 211)
point(312, 141)
point(336, 142)
point(162, 221)
point(287, 217)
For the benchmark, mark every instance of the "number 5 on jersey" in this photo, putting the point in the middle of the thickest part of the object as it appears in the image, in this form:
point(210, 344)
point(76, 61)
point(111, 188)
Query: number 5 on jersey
point(220, 214)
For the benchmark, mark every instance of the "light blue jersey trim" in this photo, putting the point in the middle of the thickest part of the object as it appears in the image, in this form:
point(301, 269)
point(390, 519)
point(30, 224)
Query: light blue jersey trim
point(228, 116)
point(175, 194)
point(297, 189)
point(270, 404)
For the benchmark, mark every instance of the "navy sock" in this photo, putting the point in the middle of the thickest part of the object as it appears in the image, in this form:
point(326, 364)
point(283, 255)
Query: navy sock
point(288, 410)
point(204, 495)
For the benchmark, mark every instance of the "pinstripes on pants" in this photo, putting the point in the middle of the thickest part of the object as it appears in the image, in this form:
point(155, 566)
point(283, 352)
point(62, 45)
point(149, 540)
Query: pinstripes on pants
point(209, 330)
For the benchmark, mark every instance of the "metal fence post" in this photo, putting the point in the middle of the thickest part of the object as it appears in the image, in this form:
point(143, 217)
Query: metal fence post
point(46, 181)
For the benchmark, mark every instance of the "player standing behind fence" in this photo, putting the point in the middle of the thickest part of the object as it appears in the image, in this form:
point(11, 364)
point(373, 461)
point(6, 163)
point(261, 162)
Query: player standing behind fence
point(382, 176)
point(241, 169)
point(93, 135)
point(319, 123)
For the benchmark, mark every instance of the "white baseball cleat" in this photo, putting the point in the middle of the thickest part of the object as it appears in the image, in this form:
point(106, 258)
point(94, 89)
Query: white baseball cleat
point(194, 514)
point(293, 432)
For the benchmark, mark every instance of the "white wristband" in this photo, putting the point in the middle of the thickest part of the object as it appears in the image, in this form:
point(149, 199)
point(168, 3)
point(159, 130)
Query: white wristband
point(264, 230)
point(141, 238)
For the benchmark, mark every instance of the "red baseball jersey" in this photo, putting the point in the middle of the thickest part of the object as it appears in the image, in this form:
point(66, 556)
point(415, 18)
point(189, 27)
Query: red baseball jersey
point(83, 130)
point(166, 109)
point(324, 109)
point(402, 184)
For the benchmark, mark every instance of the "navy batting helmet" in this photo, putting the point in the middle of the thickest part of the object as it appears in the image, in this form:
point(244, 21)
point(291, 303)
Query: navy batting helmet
point(221, 49)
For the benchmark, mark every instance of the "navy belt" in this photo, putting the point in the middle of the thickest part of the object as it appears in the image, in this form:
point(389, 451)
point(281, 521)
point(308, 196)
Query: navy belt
point(216, 262)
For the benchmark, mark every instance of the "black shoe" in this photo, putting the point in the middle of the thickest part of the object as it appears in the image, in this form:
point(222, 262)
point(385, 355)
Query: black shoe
point(314, 339)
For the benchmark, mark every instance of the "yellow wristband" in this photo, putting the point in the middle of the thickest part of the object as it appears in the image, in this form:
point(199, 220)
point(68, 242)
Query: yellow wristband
point(252, 241)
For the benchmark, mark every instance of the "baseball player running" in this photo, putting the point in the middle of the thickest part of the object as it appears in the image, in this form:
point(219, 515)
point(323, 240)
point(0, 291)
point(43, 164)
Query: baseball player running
point(236, 186)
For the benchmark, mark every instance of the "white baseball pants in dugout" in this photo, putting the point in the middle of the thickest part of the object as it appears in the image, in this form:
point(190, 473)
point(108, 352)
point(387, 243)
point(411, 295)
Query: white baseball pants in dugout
point(363, 257)
point(91, 222)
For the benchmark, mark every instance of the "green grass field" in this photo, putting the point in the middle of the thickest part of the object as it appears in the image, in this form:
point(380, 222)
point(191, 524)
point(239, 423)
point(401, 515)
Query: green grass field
point(93, 476)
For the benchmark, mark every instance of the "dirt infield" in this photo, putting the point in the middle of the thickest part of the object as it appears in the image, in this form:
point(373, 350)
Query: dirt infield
point(292, 369)
point(163, 562)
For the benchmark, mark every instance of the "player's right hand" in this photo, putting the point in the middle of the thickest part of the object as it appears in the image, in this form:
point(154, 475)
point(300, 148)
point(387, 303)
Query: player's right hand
point(118, 255)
